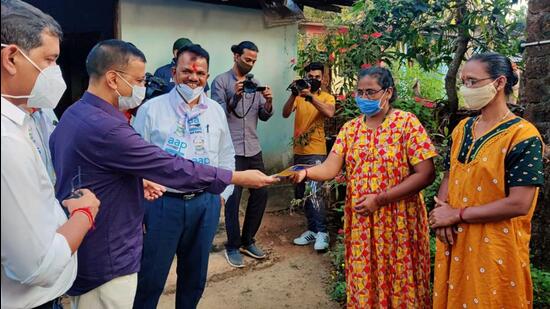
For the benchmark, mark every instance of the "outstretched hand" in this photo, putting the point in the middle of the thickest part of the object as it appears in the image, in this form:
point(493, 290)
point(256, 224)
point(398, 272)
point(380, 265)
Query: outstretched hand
point(253, 179)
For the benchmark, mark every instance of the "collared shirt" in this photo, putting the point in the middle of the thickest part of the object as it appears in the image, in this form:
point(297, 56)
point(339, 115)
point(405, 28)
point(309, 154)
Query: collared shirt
point(156, 120)
point(243, 115)
point(37, 264)
point(41, 127)
point(309, 125)
point(95, 138)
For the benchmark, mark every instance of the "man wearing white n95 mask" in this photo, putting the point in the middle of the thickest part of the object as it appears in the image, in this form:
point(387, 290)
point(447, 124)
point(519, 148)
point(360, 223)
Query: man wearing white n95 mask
point(38, 242)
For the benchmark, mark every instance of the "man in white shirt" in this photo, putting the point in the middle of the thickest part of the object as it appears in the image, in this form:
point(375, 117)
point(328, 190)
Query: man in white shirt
point(186, 123)
point(38, 242)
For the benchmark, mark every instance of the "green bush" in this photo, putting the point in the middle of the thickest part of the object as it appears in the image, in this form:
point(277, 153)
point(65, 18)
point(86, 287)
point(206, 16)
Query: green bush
point(337, 286)
point(541, 288)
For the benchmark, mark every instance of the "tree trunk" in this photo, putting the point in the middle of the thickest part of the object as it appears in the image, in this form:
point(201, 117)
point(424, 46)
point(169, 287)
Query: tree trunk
point(462, 41)
point(535, 96)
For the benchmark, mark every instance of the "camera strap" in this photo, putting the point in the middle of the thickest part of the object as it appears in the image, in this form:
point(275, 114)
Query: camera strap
point(234, 110)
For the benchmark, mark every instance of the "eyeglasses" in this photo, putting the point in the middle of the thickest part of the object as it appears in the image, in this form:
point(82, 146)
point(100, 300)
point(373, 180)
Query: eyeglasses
point(140, 80)
point(472, 81)
point(76, 184)
point(368, 93)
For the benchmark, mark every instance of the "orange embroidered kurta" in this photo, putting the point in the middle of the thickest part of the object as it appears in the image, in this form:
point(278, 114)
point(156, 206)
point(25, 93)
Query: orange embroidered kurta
point(387, 255)
point(488, 266)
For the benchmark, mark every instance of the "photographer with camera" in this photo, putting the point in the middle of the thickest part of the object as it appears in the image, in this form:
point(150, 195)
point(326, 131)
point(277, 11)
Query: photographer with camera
point(312, 107)
point(244, 102)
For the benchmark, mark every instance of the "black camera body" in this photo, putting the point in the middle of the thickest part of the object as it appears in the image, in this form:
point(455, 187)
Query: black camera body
point(249, 86)
point(298, 85)
point(155, 86)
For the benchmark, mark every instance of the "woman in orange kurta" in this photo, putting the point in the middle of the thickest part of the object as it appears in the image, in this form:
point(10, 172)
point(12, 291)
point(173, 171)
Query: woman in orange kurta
point(388, 159)
point(487, 199)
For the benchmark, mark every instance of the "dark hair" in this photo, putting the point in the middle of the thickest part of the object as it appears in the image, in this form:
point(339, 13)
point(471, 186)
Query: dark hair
point(181, 42)
point(111, 54)
point(239, 49)
point(498, 65)
point(384, 78)
point(195, 49)
point(23, 24)
point(315, 66)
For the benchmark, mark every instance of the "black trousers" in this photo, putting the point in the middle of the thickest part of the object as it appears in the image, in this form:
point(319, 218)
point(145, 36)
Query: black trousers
point(254, 209)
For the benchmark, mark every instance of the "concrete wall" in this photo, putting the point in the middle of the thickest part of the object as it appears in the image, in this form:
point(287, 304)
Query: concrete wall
point(153, 27)
point(535, 95)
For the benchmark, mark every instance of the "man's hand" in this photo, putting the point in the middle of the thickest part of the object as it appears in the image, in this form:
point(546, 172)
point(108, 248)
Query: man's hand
point(222, 202)
point(239, 87)
point(366, 205)
point(305, 92)
point(252, 179)
point(152, 191)
point(86, 199)
point(267, 93)
point(443, 215)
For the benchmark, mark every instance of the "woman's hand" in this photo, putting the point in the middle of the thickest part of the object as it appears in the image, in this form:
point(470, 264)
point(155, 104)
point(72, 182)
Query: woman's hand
point(445, 235)
point(366, 204)
point(443, 215)
point(298, 177)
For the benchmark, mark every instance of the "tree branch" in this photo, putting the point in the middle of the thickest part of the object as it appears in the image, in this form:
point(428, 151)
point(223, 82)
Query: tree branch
point(460, 50)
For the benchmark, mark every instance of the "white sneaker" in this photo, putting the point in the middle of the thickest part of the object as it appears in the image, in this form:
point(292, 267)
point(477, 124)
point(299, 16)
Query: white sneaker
point(321, 241)
point(306, 238)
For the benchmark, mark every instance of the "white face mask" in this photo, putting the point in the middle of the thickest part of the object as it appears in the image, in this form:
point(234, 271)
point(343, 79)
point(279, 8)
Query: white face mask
point(48, 87)
point(134, 100)
point(477, 98)
point(189, 94)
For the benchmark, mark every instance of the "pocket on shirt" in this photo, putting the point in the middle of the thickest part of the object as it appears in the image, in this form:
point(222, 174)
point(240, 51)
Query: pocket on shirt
point(214, 141)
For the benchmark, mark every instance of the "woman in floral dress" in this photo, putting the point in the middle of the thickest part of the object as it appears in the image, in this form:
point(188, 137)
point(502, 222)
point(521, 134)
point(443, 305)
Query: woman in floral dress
point(388, 159)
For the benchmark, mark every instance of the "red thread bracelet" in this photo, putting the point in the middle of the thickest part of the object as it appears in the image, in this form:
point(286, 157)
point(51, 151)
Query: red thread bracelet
point(306, 173)
point(88, 213)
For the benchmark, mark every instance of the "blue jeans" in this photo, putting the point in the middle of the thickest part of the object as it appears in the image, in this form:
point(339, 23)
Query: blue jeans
point(185, 228)
point(316, 218)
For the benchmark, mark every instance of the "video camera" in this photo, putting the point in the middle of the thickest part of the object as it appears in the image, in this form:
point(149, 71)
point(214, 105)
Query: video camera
point(250, 86)
point(155, 86)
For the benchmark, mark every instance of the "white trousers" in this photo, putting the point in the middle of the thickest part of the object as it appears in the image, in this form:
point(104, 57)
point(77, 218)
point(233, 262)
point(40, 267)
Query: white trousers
point(118, 293)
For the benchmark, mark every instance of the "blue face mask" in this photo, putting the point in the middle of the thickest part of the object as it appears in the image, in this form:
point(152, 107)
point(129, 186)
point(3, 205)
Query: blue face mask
point(368, 107)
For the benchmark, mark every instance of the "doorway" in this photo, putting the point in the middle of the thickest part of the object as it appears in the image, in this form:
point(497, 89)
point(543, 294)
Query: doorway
point(84, 23)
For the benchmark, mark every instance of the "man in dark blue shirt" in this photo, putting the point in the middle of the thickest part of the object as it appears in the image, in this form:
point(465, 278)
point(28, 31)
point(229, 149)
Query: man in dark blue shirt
point(94, 144)
point(165, 72)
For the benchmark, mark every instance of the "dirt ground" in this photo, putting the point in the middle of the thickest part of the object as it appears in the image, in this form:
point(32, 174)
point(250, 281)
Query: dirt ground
point(291, 276)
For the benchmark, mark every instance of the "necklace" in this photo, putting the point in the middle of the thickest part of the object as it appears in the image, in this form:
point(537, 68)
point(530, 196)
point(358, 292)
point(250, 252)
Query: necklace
point(479, 118)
